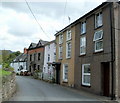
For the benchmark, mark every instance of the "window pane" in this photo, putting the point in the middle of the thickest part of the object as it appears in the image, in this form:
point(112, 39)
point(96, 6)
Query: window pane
point(60, 39)
point(68, 34)
point(82, 49)
point(86, 79)
point(68, 49)
point(82, 45)
point(83, 27)
point(99, 19)
point(98, 35)
point(60, 52)
point(86, 68)
point(86, 74)
point(65, 72)
point(99, 45)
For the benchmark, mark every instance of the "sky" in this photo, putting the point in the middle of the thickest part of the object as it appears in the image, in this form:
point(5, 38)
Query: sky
point(18, 27)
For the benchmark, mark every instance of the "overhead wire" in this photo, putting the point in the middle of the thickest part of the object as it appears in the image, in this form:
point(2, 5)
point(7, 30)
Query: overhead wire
point(36, 19)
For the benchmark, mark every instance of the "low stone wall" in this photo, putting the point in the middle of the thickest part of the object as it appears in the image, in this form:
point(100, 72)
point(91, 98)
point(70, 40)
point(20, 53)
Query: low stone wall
point(8, 86)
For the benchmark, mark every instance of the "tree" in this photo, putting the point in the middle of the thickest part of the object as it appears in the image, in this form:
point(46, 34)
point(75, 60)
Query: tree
point(8, 57)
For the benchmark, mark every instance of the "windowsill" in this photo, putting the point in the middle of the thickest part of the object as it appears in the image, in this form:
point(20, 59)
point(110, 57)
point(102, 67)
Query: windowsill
point(98, 27)
point(60, 43)
point(65, 81)
point(100, 51)
point(88, 86)
point(82, 55)
point(68, 57)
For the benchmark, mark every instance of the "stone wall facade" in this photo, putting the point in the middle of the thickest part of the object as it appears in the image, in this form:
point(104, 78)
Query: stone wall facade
point(8, 86)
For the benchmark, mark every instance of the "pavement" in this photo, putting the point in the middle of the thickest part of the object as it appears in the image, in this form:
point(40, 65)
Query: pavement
point(29, 89)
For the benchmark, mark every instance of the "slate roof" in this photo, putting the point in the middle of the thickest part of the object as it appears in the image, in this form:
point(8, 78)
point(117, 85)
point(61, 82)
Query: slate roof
point(21, 58)
point(39, 44)
point(32, 45)
point(53, 41)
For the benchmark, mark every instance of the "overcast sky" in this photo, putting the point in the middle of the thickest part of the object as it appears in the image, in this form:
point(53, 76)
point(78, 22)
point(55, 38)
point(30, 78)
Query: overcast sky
point(18, 27)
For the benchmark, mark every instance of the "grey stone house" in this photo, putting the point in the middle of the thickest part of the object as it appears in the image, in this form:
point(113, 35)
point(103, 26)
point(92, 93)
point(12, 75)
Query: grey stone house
point(97, 61)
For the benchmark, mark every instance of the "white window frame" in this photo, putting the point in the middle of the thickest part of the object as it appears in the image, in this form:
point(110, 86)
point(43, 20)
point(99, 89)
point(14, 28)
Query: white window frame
point(100, 15)
point(83, 27)
point(68, 50)
point(68, 35)
point(83, 74)
point(60, 52)
point(60, 38)
point(96, 33)
point(81, 45)
point(95, 46)
point(98, 40)
point(64, 79)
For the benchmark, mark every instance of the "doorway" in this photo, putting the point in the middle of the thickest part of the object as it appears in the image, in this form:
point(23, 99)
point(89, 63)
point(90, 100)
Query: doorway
point(58, 74)
point(106, 79)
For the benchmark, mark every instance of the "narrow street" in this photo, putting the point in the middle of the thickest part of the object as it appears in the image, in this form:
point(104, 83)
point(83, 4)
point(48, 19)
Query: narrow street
point(29, 89)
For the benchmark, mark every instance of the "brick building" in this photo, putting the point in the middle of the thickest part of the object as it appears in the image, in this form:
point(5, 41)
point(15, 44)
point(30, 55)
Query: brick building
point(35, 56)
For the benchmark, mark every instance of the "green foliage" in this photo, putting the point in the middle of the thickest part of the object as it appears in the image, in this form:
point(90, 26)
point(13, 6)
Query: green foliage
point(4, 73)
point(0, 59)
point(7, 58)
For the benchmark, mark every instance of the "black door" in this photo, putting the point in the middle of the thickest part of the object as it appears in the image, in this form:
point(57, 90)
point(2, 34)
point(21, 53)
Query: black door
point(58, 74)
point(106, 78)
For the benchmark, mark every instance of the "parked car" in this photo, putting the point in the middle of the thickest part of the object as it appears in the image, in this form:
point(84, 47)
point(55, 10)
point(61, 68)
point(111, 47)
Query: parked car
point(24, 73)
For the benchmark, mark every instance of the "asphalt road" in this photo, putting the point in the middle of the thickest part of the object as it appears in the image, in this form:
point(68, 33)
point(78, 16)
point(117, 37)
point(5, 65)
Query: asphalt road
point(29, 89)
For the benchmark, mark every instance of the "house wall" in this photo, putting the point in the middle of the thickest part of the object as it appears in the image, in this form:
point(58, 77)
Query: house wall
point(16, 65)
point(64, 60)
point(52, 52)
point(92, 58)
point(116, 26)
point(36, 61)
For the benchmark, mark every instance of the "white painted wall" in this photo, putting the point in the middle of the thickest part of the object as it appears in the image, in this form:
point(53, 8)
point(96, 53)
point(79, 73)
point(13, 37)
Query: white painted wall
point(52, 52)
point(16, 65)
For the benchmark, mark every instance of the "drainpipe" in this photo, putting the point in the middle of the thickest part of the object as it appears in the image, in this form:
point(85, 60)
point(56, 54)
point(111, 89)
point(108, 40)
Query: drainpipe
point(112, 56)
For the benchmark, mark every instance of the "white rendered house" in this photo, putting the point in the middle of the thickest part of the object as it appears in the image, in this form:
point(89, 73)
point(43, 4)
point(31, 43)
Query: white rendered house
point(49, 58)
point(19, 63)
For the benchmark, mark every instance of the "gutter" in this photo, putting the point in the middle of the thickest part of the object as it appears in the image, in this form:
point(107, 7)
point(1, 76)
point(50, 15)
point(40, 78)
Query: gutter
point(112, 56)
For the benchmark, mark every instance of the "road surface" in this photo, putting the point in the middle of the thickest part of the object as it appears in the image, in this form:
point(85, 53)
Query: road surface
point(29, 89)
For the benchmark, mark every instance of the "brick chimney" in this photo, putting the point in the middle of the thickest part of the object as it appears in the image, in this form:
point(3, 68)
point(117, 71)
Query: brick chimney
point(25, 50)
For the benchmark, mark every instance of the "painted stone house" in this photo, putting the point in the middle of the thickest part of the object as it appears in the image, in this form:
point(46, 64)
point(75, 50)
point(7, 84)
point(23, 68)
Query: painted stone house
point(49, 58)
point(19, 63)
point(35, 56)
point(87, 51)
point(65, 40)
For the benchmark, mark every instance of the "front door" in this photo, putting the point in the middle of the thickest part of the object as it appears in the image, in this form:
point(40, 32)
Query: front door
point(106, 78)
point(58, 74)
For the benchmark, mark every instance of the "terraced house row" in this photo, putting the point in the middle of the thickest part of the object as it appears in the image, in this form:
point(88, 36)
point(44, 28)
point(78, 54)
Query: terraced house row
point(85, 54)
point(87, 51)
